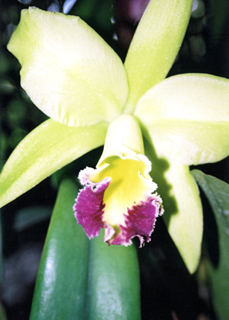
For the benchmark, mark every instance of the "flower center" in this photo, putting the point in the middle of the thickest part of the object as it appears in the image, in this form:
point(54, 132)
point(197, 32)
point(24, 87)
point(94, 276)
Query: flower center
point(128, 187)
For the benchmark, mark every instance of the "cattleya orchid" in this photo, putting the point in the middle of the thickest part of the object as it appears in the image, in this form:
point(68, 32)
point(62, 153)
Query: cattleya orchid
point(76, 79)
point(117, 195)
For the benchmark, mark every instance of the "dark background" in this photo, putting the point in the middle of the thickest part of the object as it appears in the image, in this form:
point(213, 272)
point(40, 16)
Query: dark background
point(168, 291)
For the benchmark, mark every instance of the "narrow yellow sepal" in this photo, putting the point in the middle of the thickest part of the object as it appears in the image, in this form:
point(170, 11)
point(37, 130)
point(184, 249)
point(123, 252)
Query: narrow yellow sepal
point(155, 45)
point(182, 204)
point(43, 151)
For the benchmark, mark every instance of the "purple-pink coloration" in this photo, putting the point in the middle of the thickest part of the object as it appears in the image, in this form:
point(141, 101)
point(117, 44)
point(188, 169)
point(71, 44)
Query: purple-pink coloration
point(139, 222)
point(89, 207)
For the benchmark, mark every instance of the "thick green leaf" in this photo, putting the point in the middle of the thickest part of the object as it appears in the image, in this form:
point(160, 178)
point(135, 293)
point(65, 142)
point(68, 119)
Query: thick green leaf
point(183, 211)
point(82, 279)
point(68, 70)
point(61, 286)
point(46, 149)
point(155, 45)
point(113, 288)
point(187, 117)
point(217, 193)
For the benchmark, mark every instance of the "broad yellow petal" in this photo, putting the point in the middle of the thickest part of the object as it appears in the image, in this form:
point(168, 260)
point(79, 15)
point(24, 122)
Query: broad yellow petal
point(187, 117)
point(68, 70)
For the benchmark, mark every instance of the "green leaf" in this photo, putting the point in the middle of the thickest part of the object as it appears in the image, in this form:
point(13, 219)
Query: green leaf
point(46, 149)
point(82, 279)
point(217, 192)
point(155, 45)
point(68, 70)
point(187, 118)
point(183, 211)
point(113, 287)
point(61, 285)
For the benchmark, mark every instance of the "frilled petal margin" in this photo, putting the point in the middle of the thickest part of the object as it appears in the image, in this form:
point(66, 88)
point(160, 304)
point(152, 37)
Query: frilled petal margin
point(125, 209)
point(89, 207)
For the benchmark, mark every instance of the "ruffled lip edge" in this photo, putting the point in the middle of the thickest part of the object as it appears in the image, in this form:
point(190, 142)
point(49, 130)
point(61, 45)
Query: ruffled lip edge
point(89, 209)
point(140, 222)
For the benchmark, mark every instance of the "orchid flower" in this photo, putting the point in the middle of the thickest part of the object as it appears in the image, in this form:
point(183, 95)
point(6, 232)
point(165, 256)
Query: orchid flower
point(118, 194)
point(76, 79)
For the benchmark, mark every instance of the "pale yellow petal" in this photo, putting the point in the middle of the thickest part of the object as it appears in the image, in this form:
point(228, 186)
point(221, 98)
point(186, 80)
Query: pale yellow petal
point(68, 70)
point(187, 117)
